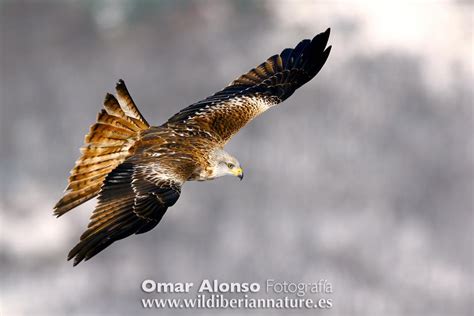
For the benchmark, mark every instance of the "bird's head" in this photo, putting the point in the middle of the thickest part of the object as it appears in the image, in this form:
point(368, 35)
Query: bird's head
point(224, 164)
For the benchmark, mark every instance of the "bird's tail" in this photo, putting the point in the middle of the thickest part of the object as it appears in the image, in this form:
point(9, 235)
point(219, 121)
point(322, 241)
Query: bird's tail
point(105, 147)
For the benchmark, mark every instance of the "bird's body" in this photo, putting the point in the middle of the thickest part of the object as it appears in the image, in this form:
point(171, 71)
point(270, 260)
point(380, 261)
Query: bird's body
point(137, 170)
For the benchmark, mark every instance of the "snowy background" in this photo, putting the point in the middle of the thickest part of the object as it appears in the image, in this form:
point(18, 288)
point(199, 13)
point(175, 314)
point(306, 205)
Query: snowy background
point(364, 177)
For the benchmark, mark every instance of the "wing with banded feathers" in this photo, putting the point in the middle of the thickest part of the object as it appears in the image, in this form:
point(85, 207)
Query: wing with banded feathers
point(133, 199)
point(225, 112)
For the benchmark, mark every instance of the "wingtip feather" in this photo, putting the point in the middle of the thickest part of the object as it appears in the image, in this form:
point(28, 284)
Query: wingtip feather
point(119, 83)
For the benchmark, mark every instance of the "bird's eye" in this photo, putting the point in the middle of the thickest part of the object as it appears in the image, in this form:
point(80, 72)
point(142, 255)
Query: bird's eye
point(230, 165)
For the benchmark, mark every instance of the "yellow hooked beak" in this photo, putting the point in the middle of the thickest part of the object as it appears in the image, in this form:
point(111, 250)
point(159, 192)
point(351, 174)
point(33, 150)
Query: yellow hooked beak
point(238, 172)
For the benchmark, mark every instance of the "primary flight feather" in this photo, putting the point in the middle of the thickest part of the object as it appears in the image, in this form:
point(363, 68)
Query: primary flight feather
point(137, 170)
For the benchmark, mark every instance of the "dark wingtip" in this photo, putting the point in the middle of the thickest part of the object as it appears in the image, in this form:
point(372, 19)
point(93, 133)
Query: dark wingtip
point(108, 96)
point(323, 37)
point(120, 83)
point(76, 261)
point(325, 34)
point(58, 209)
point(73, 254)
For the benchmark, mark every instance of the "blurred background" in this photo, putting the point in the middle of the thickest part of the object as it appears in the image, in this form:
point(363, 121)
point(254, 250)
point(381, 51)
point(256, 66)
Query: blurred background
point(364, 177)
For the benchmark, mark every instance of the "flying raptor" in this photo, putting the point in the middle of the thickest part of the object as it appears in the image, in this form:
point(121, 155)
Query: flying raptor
point(137, 170)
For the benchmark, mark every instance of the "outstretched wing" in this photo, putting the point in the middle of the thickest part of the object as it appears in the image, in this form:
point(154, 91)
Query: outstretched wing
point(133, 199)
point(225, 112)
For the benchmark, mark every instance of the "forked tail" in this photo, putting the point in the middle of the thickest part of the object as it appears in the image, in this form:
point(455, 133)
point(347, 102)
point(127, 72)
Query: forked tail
point(105, 147)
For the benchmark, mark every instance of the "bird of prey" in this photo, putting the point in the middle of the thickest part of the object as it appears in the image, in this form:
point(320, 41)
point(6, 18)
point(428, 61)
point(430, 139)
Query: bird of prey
point(137, 170)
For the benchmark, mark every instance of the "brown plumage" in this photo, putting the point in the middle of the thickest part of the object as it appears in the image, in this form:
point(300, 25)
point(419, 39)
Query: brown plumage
point(137, 171)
